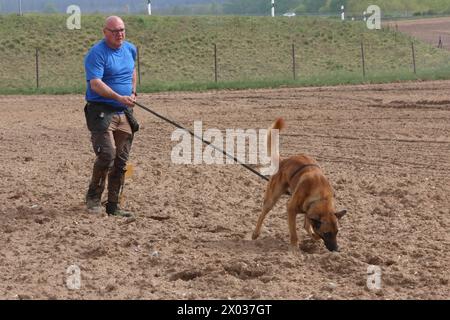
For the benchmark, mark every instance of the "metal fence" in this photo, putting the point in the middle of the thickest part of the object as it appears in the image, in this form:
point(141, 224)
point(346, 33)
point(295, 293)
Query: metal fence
point(226, 60)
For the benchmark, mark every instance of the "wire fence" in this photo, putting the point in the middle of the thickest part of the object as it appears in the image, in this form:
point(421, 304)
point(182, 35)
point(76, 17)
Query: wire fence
point(233, 59)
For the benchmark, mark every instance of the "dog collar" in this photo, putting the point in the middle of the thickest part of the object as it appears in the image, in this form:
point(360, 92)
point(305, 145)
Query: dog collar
point(314, 202)
point(303, 167)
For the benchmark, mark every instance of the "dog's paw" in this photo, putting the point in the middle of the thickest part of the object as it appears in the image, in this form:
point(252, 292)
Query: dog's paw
point(293, 249)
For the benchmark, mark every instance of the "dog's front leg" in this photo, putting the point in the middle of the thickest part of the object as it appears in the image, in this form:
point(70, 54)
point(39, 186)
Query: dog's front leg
point(292, 222)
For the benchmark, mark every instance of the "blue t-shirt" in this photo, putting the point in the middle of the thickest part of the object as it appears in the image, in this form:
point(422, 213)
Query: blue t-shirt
point(114, 67)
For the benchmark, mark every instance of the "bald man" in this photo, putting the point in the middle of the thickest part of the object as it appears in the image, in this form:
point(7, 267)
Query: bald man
point(110, 95)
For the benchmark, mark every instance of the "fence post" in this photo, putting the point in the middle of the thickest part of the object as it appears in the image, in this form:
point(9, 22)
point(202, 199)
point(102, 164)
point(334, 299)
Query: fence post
point(215, 62)
point(293, 61)
point(37, 68)
point(363, 59)
point(138, 65)
point(413, 56)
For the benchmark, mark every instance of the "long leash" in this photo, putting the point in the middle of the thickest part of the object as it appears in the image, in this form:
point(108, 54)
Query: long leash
point(201, 139)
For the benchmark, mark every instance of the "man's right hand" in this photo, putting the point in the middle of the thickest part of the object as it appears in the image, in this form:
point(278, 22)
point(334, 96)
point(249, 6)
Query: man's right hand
point(127, 100)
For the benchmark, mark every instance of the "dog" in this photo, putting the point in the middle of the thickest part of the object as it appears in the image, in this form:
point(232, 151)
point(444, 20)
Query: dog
point(311, 194)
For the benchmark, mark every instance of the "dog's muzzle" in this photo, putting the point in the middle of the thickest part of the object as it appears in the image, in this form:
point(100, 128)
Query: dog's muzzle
point(332, 247)
point(330, 242)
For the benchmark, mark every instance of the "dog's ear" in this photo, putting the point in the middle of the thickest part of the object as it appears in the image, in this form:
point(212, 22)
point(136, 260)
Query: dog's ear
point(340, 214)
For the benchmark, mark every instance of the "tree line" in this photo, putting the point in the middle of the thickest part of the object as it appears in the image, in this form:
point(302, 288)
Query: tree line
point(388, 7)
point(233, 7)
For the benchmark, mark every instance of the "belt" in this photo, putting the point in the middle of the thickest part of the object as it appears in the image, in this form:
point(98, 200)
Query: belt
point(106, 106)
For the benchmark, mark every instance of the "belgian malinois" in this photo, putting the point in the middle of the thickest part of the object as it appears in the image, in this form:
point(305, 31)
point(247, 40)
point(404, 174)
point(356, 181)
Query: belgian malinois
point(311, 194)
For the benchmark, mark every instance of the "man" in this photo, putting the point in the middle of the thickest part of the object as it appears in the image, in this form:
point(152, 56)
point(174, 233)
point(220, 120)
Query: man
point(110, 96)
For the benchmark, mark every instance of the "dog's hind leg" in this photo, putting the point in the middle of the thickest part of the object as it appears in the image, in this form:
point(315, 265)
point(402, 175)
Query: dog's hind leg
point(273, 193)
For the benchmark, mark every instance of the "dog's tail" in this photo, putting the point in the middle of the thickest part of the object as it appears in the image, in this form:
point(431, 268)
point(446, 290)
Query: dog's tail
point(277, 124)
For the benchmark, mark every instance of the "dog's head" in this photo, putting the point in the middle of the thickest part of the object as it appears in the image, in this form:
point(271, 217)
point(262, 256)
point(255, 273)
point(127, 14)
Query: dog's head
point(325, 226)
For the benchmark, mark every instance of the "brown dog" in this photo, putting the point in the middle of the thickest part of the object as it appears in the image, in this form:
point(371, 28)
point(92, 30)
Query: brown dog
point(311, 194)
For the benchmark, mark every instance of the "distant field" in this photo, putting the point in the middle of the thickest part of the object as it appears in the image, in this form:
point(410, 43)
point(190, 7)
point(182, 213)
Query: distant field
point(176, 51)
point(428, 30)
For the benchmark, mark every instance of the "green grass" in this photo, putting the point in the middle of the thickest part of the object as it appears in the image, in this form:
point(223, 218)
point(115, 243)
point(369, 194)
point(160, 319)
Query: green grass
point(330, 79)
point(177, 52)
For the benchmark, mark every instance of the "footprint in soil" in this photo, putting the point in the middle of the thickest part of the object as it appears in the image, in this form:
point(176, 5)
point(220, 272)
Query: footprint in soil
point(244, 270)
point(186, 275)
point(309, 246)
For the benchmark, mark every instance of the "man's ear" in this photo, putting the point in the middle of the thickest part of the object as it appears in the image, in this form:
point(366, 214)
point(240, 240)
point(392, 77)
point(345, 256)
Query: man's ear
point(340, 214)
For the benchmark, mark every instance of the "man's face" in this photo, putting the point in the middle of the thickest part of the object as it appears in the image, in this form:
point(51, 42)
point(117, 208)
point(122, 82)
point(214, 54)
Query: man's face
point(114, 33)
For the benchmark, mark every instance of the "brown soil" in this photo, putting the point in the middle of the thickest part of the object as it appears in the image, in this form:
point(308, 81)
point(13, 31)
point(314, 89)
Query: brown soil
point(385, 149)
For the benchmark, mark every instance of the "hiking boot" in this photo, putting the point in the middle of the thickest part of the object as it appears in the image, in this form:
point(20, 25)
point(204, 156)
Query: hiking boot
point(93, 205)
point(112, 209)
point(95, 190)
